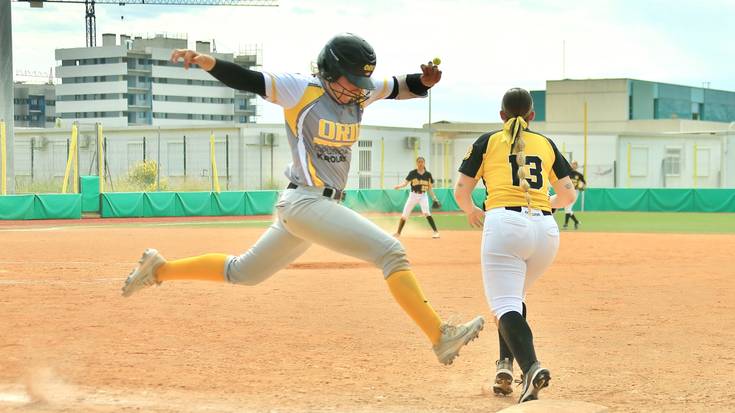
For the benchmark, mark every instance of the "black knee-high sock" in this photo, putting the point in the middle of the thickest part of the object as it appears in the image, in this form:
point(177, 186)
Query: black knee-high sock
point(505, 352)
point(518, 336)
point(401, 224)
point(574, 219)
point(566, 218)
point(431, 222)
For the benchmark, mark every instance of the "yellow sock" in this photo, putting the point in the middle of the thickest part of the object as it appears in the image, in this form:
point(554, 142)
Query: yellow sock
point(208, 267)
point(406, 291)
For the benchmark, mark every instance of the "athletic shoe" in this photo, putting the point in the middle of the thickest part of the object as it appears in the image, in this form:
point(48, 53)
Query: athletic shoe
point(576, 225)
point(454, 337)
point(536, 379)
point(565, 226)
point(144, 275)
point(435, 236)
point(503, 377)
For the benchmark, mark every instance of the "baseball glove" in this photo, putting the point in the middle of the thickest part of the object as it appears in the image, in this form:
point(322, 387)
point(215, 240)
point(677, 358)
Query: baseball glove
point(436, 204)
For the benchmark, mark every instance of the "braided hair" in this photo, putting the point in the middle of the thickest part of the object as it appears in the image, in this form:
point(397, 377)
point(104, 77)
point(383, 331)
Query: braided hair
point(517, 106)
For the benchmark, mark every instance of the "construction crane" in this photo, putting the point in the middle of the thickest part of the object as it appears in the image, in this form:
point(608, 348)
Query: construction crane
point(92, 23)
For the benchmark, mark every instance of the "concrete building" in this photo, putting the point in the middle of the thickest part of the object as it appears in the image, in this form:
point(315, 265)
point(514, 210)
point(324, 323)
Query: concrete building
point(34, 105)
point(637, 153)
point(133, 83)
point(631, 99)
point(640, 134)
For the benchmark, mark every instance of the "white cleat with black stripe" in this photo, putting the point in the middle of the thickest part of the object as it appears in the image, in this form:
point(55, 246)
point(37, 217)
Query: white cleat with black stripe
point(536, 379)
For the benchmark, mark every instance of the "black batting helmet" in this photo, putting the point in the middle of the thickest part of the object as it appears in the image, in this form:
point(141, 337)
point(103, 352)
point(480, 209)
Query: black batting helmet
point(347, 55)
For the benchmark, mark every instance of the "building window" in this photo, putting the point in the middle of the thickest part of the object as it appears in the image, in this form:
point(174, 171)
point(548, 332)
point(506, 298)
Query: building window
point(672, 161)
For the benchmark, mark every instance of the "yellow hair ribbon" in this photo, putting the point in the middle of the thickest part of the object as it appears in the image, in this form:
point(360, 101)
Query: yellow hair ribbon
point(513, 127)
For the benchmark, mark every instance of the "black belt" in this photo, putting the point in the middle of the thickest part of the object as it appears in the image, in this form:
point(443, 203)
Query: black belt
point(520, 209)
point(332, 193)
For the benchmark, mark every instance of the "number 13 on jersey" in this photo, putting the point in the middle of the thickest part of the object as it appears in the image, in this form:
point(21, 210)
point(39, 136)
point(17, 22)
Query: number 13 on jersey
point(535, 179)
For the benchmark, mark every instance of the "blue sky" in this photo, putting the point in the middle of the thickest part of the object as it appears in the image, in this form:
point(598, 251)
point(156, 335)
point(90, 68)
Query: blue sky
point(486, 46)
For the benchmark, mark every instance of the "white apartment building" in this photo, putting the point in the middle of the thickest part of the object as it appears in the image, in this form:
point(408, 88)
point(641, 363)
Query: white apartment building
point(132, 82)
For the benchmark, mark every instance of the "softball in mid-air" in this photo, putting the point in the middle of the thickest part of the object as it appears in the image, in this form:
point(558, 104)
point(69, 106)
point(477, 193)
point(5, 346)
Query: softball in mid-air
point(436, 61)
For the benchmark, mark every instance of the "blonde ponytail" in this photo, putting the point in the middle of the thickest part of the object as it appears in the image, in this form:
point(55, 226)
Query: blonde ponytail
point(514, 131)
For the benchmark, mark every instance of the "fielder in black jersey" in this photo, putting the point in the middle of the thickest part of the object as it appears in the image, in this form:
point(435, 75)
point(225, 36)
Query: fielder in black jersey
point(579, 185)
point(421, 183)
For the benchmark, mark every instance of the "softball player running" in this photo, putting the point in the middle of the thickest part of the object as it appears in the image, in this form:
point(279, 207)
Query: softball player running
point(421, 183)
point(579, 185)
point(520, 237)
point(323, 113)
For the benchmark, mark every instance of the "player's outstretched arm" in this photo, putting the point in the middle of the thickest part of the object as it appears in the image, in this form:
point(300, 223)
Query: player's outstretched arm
point(415, 85)
point(463, 196)
point(564, 193)
point(399, 186)
point(231, 74)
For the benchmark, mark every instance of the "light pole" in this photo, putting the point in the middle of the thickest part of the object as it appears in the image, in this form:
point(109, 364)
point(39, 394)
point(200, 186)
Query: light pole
point(6, 88)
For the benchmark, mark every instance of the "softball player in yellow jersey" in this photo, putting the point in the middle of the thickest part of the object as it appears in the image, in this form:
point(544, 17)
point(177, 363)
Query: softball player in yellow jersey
point(520, 237)
point(323, 113)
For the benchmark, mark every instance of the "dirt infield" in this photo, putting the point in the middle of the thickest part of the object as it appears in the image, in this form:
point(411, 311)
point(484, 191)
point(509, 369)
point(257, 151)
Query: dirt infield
point(635, 322)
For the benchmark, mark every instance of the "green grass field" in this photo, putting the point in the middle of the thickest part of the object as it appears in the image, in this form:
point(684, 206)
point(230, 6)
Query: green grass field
point(665, 222)
point(657, 222)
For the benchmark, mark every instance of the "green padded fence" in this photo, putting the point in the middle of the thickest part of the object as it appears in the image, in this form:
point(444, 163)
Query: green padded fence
point(176, 204)
point(168, 204)
point(181, 204)
point(90, 188)
point(658, 200)
point(47, 206)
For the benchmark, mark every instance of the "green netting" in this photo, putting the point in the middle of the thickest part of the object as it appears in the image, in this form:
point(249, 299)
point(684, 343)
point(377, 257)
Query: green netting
point(90, 189)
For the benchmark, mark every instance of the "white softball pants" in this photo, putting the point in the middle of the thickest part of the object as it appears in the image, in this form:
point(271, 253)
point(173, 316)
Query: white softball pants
point(304, 216)
point(569, 209)
point(517, 248)
point(413, 199)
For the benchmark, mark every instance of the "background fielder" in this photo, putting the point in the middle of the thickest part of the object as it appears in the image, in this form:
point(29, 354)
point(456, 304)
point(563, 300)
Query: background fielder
point(579, 185)
point(520, 237)
point(323, 113)
point(422, 184)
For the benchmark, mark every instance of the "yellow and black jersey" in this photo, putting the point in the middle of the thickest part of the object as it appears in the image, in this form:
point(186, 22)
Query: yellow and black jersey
point(490, 158)
point(419, 181)
point(577, 178)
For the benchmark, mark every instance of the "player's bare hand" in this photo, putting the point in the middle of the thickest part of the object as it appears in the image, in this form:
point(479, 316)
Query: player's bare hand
point(476, 217)
point(190, 57)
point(430, 74)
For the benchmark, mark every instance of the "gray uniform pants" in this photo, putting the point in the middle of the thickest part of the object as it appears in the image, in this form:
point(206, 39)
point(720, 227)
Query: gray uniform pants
point(304, 216)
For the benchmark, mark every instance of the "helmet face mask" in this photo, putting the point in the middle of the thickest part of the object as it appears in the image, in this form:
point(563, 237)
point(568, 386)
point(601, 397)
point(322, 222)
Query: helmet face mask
point(350, 57)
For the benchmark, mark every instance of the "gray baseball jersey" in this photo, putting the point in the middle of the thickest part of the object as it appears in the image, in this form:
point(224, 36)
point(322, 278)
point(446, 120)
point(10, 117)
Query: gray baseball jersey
point(321, 134)
point(320, 131)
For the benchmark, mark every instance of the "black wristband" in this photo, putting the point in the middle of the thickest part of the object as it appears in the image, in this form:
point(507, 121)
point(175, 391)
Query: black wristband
point(413, 81)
